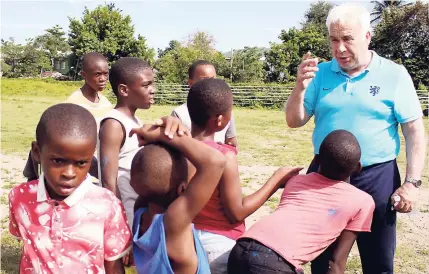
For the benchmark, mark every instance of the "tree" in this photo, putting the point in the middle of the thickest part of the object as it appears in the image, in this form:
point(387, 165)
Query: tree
point(403, 36)
point(54, 43)
point(107, 31)
point(247, 65)
point(283, 59)
point(317, 14)
point(173, 65)
point(171, 46)
point(381, 6)
point(11, 54)
point(23, 60)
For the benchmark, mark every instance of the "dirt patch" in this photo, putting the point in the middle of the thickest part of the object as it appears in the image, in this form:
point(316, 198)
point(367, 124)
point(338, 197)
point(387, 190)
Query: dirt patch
point(11, 174)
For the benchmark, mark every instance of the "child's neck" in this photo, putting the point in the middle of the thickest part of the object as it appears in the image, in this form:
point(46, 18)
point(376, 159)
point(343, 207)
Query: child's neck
point(147, 216)
point(347, 180)
point(126, 109)
point(90, 93)
point(202, 134)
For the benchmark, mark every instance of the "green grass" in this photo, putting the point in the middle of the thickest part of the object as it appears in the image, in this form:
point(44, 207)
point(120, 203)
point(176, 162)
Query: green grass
point(263, 137)
point(272, 203)
point(4, 200)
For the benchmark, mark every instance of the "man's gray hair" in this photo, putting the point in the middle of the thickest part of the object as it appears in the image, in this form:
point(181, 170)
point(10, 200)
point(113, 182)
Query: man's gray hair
point(350, 13)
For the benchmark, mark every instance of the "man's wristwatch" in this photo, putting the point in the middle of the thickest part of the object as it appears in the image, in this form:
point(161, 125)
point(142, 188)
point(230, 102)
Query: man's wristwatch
point(415, 182)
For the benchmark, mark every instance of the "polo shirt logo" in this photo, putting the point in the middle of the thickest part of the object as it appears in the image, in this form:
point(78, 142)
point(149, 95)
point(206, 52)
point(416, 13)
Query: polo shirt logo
point(374, 90)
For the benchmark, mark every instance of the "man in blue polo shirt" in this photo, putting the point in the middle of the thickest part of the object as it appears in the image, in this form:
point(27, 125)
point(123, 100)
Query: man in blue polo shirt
point(370, 96)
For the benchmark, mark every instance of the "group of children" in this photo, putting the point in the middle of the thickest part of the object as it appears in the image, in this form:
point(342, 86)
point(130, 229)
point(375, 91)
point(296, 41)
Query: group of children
point(169, 196)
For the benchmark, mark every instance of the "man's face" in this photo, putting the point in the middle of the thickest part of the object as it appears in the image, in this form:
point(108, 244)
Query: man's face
point(349, 44)
point(202, 72)
point(96, 74)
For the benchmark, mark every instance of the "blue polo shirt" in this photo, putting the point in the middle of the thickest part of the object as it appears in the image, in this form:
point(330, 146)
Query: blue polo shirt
point(370, 105)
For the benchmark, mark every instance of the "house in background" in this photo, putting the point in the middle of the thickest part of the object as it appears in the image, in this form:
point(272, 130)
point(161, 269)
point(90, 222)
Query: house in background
point(64, 63)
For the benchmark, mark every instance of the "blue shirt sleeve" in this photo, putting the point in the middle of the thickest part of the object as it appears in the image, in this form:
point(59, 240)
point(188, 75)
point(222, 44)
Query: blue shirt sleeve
point(406, 103)
point(310, 95)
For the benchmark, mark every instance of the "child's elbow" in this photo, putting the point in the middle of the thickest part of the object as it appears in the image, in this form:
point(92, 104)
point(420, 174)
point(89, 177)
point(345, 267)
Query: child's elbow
point(235, 217)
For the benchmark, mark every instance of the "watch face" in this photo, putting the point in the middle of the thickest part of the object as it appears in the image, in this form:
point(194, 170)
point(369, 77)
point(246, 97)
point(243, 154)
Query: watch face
point(416, 183)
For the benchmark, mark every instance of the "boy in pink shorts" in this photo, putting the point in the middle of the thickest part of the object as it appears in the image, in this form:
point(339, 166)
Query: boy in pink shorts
point(67, 224)
point(314, 211)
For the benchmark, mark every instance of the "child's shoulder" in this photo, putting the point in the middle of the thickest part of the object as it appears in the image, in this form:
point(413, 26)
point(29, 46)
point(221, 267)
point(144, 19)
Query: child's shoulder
point(101, 200)
point(224, 148)
point(101, 193)
point(103, 99)
point(24, 191)
point(362, 198)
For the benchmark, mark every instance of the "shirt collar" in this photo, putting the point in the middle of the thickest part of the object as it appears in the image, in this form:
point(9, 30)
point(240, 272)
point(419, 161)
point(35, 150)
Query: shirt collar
point(78, 193)
point(373, 64)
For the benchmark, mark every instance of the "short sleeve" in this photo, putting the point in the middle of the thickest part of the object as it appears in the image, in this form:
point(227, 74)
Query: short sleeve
point(362, 221)
point(117, 234)
point(13, 224)
point(406, 103)
point(231, 131)
point(310, 95)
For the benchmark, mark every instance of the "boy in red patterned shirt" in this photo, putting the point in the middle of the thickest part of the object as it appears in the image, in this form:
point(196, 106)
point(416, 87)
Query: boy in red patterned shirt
point(67, 224)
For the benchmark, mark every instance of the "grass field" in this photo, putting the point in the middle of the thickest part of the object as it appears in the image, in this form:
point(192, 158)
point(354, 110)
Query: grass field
point(264, 141)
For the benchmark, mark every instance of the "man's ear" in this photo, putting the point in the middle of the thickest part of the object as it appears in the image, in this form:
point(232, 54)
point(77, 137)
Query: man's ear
point(123, 90)
point(358, 168)
point(83, 74)
point(190, 83)
point(219, 120)
point(35, 151)
point(181, 188)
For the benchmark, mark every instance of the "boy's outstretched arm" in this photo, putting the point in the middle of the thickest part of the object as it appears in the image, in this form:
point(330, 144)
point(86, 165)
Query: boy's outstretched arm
point(114, 267)
point(111, 138)
point(344, 243)
point(238, 208)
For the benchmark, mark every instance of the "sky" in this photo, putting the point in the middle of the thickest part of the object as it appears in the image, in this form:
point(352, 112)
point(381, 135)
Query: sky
point(233, 24)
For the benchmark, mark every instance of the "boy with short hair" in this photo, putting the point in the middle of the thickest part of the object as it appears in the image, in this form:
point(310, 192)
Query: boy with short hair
point(164, 238)
point(221, 221)
point(314, 211)
point(95, 72)
point(67, 224)
point(202, 69)
point(132, 82)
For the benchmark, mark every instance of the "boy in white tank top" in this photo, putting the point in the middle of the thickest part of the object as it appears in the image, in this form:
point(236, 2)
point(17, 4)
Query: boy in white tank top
point(132, 82)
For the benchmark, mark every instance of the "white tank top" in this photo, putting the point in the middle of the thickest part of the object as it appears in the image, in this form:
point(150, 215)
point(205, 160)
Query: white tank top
point(126, 155)
point(130, 146)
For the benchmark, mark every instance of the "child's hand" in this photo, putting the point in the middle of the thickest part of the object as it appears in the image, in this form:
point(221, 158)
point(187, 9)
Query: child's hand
point(172, 126)
point(333, 268)
point(148, 134)
point(128, 259)
point(284, 174)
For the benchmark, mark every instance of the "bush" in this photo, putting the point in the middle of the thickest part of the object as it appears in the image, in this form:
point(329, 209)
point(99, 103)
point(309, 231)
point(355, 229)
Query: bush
point(422, 87)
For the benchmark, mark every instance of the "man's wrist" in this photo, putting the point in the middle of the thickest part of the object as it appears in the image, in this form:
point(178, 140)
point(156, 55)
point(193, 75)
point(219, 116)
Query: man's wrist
point(298, 89)
point(413, 181)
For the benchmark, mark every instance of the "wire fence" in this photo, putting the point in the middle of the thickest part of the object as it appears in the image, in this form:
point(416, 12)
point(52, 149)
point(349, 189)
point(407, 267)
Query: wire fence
point(246, 96)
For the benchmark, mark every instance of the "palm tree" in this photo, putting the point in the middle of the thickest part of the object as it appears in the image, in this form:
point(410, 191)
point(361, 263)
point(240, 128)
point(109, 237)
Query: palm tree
point(380, 6)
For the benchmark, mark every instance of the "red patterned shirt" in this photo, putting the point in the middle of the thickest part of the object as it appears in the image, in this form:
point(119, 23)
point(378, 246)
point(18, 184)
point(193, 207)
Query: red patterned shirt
point(72, 236)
